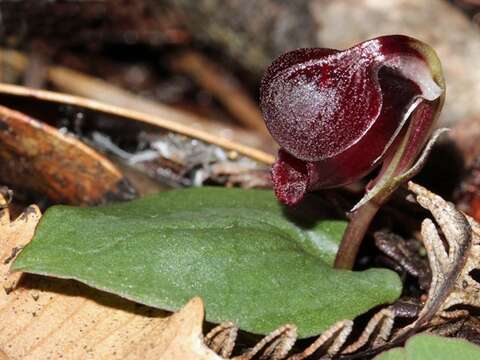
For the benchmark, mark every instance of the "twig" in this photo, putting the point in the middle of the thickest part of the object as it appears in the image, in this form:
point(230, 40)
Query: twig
point(223, 86)
point(80, 84)
point(164, 123)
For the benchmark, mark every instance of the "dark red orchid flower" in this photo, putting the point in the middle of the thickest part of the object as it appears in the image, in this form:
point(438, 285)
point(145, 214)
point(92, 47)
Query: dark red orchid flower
point(339, 114)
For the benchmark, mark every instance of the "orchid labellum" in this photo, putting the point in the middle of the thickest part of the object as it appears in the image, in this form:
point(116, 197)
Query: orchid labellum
point(339, 114)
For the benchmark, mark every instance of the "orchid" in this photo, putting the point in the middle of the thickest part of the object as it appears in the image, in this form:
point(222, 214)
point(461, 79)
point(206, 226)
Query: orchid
point(337, 115)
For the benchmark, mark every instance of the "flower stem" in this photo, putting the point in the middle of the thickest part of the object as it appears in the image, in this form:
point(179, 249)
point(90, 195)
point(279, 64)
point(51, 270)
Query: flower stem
point(361, 217)
point(360, 220)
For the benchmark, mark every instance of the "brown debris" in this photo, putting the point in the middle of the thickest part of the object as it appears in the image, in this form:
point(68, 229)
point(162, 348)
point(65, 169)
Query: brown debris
point(180, 338)
point(274, 346)
point(218, 82)
point(14, 235)
point(77, 83)
point(451, 280)
point(221, 339)
point(405, 253)
point(125, 114)
point(38, 157)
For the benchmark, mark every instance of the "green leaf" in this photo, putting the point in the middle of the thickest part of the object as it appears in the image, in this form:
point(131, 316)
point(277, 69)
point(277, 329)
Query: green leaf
point(250, 259)
point(429, 347)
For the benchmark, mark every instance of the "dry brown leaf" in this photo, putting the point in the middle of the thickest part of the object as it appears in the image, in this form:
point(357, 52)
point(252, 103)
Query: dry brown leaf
point(451, 265)
point(37, 156)
point(181, 338)
point(52, 318)
point(14, 235)
point(464, 289)
point(49, 318)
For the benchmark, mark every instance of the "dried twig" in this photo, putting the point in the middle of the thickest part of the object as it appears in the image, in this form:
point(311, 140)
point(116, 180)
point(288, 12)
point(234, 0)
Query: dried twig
point(274, 346)
point(80, 84)
point(221, 339)
point(223, 86)
point(164, 123)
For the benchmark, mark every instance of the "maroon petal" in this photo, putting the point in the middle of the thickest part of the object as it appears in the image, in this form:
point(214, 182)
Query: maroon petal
point(305, 103)
point(337, 112)
point(290, 178)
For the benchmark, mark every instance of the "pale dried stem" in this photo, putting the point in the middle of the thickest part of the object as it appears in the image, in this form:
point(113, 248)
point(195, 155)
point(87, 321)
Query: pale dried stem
point(221, 338)
point(382, 323)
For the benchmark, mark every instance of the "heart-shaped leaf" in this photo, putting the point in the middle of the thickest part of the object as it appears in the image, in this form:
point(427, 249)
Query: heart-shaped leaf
point(428, 347)
point(250, 259)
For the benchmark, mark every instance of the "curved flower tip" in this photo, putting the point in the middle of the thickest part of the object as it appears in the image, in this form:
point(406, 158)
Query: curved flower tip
point(339, 114)
point(290, 178)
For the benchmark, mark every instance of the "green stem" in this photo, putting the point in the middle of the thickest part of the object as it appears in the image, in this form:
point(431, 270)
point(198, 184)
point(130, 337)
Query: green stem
point(360, 220)
point(361, 217)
